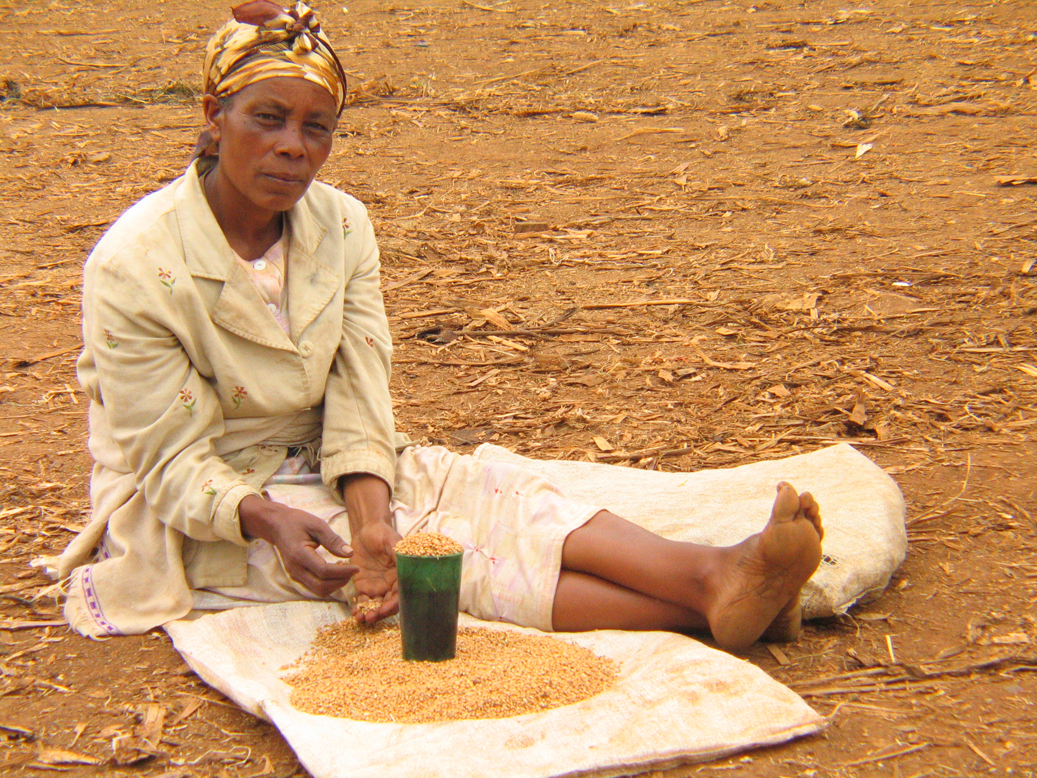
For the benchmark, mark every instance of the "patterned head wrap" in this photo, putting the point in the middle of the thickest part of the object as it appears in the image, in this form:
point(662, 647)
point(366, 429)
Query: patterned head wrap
point(267, 41)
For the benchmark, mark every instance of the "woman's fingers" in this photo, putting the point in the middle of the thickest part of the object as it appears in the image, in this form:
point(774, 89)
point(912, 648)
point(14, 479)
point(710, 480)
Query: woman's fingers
point(316, 574)
point(319, 587)
point(328, 571)
point(297, 536)
point(366, 609)
point(331, 540)
point(390, 604)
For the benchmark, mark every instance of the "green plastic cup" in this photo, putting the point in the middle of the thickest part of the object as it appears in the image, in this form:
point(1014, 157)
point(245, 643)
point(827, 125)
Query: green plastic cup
point(430, 589)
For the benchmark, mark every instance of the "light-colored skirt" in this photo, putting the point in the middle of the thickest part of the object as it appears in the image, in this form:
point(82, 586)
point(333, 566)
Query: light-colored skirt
point(512, 525)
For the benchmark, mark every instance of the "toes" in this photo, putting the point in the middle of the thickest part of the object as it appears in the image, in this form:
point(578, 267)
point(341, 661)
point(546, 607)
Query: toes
point(808, 505)
point(786, 504)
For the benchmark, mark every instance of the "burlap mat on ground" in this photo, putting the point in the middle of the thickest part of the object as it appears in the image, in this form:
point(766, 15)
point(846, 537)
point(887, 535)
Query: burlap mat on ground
point(675, 701)
point(861, 506)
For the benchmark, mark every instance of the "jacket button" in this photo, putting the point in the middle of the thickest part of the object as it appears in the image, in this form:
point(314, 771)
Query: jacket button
point(306, 349)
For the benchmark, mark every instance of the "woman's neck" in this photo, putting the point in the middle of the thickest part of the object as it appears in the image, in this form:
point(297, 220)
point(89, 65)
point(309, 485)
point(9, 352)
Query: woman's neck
point(249, 230)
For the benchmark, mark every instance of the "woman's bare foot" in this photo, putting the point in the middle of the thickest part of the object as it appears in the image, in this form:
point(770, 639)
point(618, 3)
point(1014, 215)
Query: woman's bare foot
point(788, 624)
point(759, 590)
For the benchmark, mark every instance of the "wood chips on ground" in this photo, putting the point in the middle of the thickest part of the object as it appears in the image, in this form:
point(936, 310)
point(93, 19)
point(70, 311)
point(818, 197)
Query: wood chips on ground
point(672, 234)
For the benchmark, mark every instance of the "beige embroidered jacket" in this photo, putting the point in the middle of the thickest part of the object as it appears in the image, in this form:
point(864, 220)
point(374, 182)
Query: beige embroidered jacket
point(196, 392)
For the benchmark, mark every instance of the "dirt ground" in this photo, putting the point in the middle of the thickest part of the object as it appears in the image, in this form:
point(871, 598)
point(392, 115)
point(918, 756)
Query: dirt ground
point(674, 235)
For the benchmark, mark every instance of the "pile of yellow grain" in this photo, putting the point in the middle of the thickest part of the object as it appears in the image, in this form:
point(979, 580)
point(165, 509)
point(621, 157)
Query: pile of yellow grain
point(428, 544)
point(359, 673)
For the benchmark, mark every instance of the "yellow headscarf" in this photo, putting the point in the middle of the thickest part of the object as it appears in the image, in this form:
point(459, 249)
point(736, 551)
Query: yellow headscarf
point(268, 41)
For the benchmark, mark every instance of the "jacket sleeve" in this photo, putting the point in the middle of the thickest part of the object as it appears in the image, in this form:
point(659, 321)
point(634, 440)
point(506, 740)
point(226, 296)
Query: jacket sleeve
point(358, 417)
point(162, 413)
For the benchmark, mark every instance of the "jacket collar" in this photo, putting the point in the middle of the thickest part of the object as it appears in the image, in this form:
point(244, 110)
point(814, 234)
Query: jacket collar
point(240, 309)
point(206, 250)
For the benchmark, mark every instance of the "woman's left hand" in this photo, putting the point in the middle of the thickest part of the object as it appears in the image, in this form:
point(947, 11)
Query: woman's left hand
point(372, 536)
point(376, 578)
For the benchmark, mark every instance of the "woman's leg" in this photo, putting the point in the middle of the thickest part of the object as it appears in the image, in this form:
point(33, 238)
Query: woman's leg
point(738, 591)
point(616, 550)
point(584, 602)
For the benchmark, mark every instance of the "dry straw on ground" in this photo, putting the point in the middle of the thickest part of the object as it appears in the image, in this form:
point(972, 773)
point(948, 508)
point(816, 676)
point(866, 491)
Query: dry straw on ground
point(359, 673)
point(886, 298)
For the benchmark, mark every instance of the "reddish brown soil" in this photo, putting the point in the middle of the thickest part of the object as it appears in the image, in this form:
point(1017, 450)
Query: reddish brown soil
point(818, 182)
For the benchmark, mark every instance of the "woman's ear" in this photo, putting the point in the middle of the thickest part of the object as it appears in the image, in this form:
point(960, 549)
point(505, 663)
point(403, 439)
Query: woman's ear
point(213, 113)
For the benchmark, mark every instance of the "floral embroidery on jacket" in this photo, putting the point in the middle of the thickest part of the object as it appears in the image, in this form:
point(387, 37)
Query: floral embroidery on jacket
point(188, 400)
point(208, 489)
point(239, 396)
point(346, 229)
point(166, 279)
point(109, 339)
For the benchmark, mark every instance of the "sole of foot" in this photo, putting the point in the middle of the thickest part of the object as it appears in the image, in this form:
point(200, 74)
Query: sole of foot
point(760, 593)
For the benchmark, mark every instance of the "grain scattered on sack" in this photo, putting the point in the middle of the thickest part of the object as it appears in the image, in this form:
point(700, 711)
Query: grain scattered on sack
point(358, 673)
point(428, 544)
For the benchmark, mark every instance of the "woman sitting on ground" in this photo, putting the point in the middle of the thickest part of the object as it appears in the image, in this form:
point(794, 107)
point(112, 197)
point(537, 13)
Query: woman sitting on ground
point(237, 363)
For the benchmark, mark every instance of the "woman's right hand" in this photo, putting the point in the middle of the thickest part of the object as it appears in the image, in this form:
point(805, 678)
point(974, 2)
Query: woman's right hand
point(297, 535)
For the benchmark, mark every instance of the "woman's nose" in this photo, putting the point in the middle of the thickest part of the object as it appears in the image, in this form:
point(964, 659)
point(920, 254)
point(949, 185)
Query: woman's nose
point(290, 142)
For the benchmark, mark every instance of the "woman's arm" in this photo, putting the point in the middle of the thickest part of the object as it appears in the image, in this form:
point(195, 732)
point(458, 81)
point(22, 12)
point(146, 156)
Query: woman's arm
point(163, 415)
point(166, 417)
point(359, 431)
point(373, 537)
point(358, 448)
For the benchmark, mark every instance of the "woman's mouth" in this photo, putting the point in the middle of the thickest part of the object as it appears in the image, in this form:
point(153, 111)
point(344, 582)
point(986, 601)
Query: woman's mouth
point(284, 179)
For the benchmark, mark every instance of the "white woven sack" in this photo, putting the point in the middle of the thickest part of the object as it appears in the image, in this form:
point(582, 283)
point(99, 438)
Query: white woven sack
point(862, 510)
point(675, 701)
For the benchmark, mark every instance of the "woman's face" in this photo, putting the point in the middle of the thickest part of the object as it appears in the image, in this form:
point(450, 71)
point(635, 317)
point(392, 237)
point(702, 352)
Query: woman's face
point(274, 135)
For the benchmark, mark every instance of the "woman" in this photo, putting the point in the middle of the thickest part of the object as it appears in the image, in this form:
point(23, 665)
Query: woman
point(237, 363)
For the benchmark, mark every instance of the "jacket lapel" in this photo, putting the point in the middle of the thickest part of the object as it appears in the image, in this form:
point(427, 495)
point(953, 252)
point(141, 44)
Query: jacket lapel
point(207, 254)
point(242, 311)
point(311, 283)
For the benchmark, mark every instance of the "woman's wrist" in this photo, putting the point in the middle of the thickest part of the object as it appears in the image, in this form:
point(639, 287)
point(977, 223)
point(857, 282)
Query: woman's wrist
point(366, 498)
point(254, 515)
